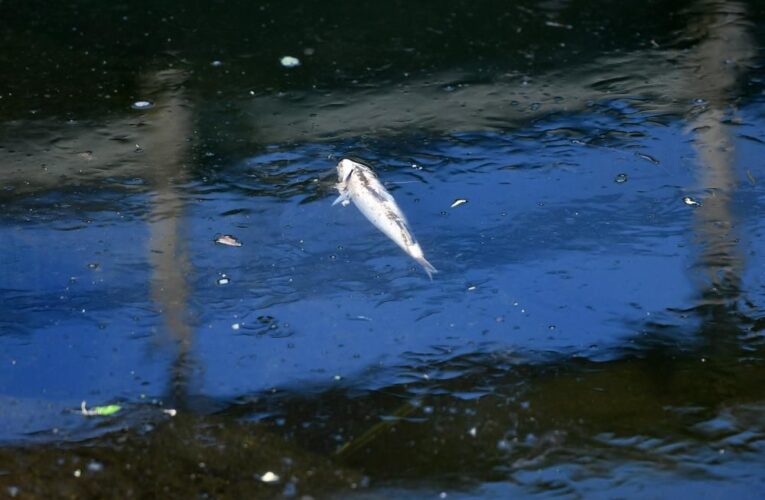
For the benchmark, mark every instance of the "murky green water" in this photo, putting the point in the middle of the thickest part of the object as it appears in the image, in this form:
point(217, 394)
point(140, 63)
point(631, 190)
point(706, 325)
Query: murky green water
point(587, 177)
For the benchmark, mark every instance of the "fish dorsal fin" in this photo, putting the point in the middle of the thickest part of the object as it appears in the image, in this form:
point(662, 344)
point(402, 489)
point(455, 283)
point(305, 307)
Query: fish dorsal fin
point(348, 176)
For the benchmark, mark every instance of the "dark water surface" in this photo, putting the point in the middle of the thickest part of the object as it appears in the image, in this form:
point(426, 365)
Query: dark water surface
point(596, 329)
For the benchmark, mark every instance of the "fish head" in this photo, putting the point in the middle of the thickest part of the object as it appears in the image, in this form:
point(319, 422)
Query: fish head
point(345, 169)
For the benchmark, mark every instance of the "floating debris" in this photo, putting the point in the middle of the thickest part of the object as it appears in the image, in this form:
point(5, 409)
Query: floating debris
point(140, 105)
point(751, 177)
point(690, 201)
point(170, 412)
point(216, 64)
point(236, 326)
point(648, 158)
point(269, 477)
point(289, 62)
point(620, 179)
point(223, 280)
point(228, 240)
point(458, 202)
point(99, 411)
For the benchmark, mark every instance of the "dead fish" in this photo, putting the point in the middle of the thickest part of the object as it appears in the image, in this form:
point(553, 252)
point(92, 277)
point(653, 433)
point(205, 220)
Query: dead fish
point(359, 184)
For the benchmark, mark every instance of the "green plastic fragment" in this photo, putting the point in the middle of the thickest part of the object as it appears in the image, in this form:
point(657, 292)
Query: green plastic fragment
point(100, 411)
point(105, 411)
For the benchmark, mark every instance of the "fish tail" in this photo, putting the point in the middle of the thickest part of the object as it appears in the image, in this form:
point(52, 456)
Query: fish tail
point(427, 266)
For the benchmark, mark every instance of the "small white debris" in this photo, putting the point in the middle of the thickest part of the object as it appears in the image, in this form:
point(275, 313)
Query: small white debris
point(269, 477)
point(77, 473)
point(290, 62)
point(555, 24)
point(473, 431)
point(458, 202)
point(620, 178)
point(228, 240)
point(471, 288)
point(235, 326)
point(170, 412)
point(223, 280)
point(691, 202)
point(94, 466)
point(142, 105)
point(216, 64)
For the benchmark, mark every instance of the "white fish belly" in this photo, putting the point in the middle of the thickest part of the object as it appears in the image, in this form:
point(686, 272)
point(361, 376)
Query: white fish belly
point(387, 217)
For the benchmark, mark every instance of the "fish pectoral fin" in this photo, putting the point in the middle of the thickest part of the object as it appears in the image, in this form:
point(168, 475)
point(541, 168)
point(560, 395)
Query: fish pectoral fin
point(343, 199)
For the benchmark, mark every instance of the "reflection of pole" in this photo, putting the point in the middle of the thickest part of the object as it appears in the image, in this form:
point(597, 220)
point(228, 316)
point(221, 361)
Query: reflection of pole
point(166, 152)
point(720, 259)
point(716, 64)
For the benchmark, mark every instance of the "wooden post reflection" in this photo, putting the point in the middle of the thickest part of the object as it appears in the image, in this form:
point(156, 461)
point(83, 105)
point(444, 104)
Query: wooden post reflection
point(166, 152)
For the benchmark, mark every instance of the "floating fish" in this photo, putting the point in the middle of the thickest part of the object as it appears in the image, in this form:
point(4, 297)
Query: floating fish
point(359, 184)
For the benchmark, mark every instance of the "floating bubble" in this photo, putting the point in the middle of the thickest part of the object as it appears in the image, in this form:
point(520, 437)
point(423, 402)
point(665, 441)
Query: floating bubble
point(289, 62)
point(140, 105)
